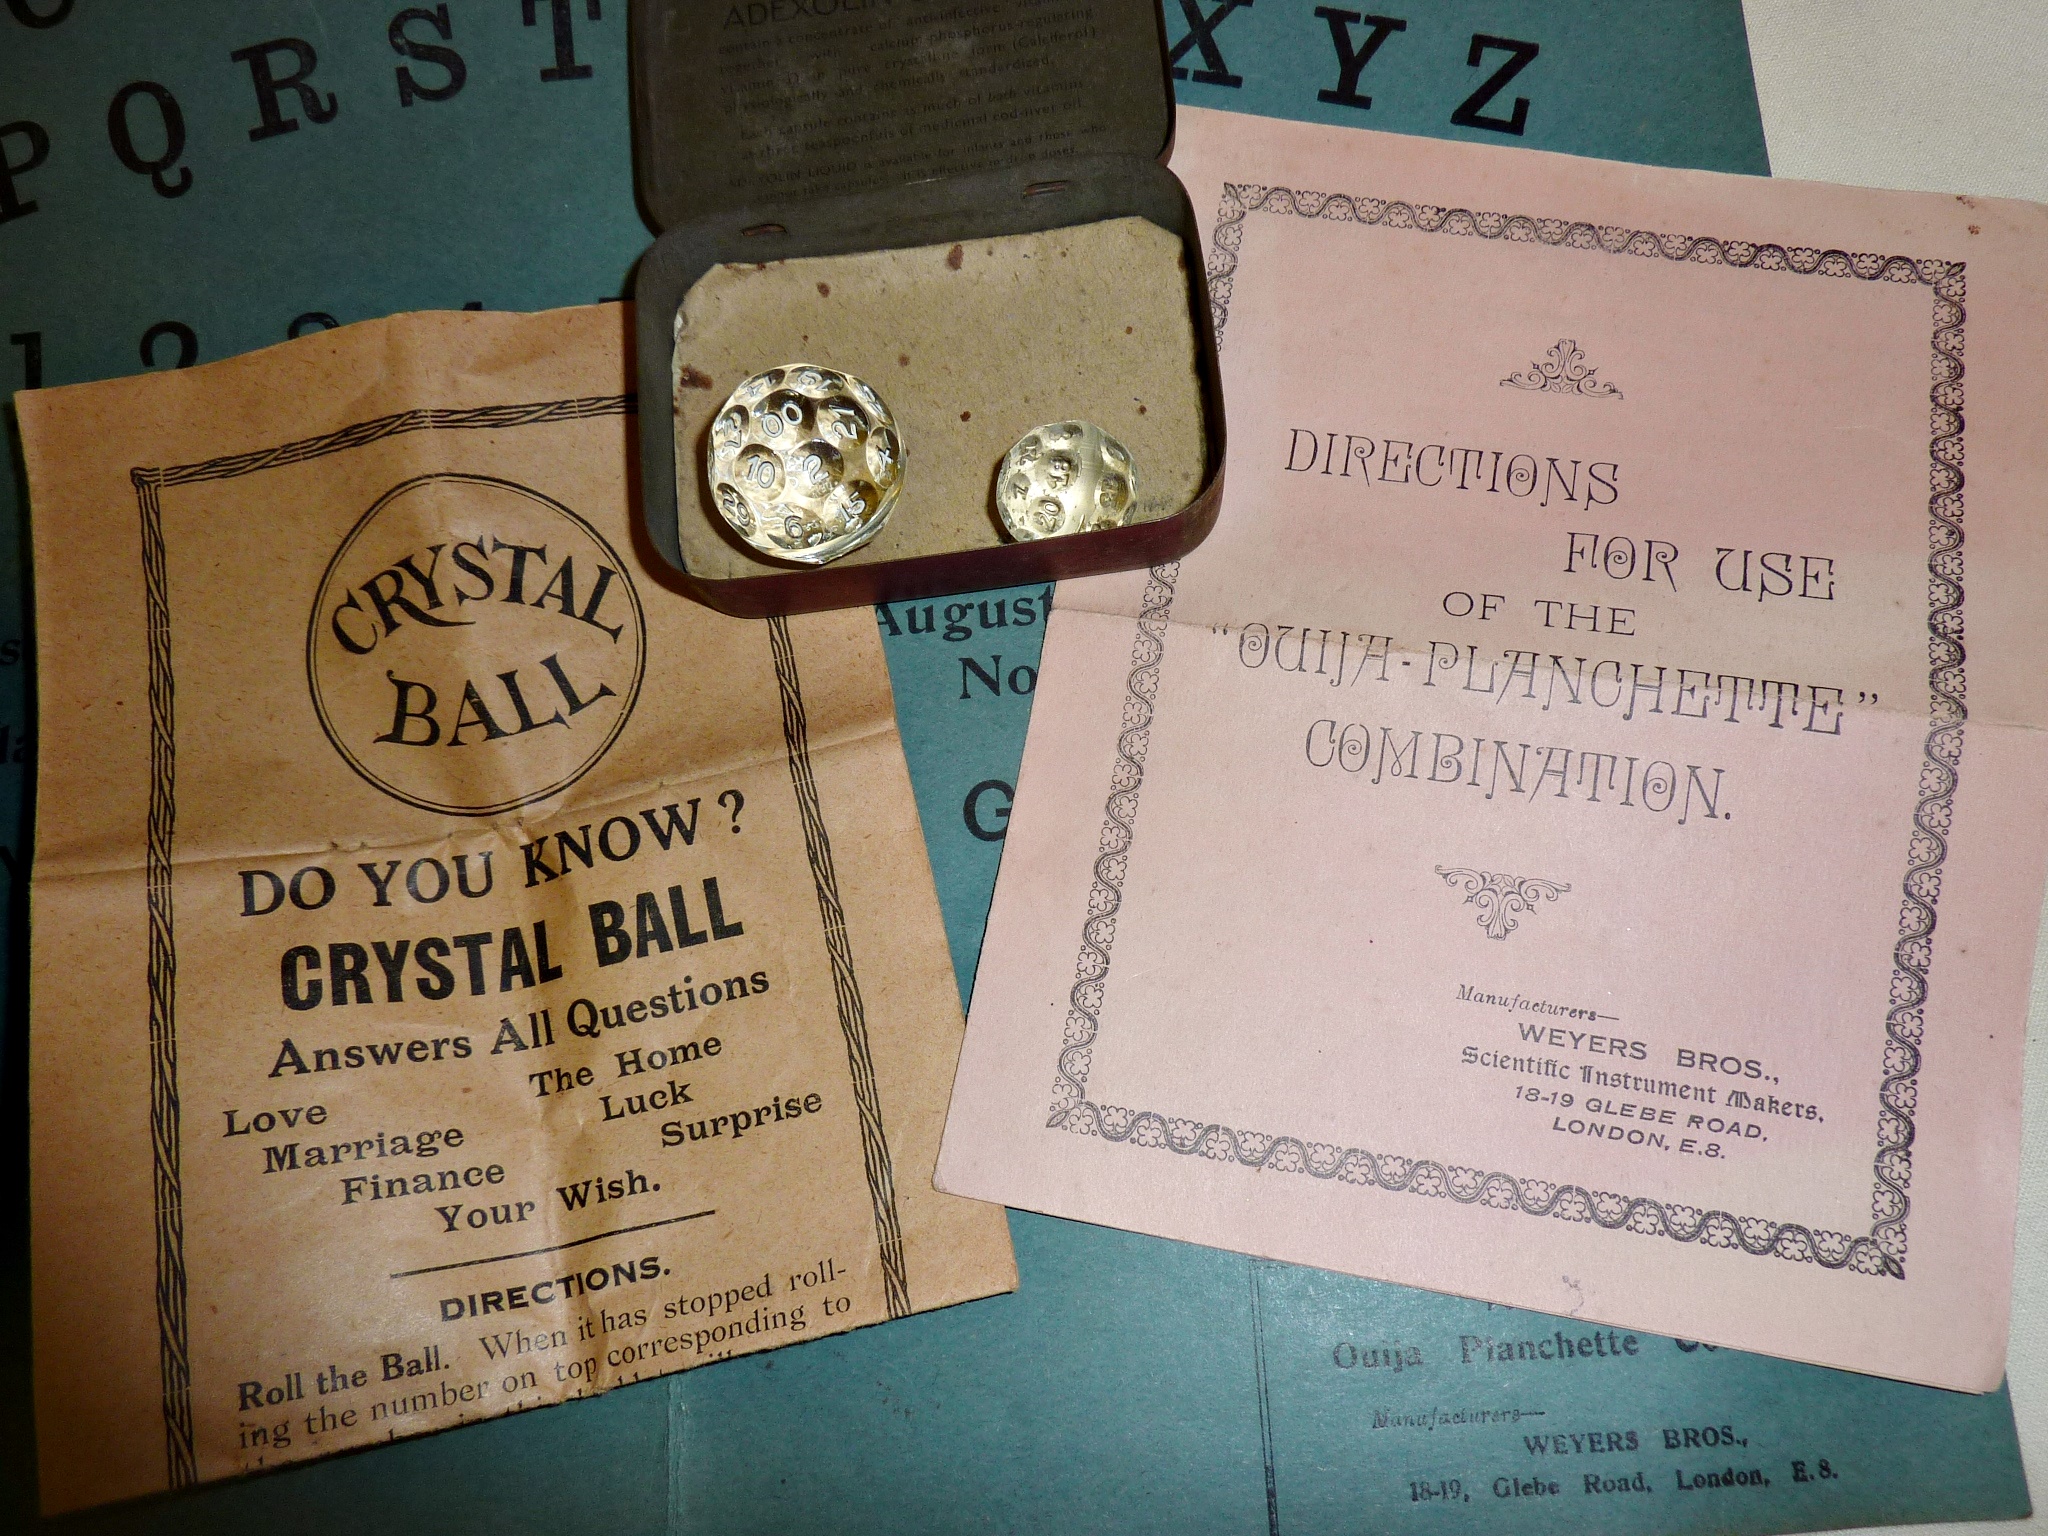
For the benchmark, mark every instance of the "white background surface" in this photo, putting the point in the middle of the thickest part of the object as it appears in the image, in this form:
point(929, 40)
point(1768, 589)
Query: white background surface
point(1939, 96)
point(1934, 95)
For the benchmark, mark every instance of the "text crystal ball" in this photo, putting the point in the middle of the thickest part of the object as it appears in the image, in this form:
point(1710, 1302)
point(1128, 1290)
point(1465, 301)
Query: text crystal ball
point(804, 462)
point(1068, 477)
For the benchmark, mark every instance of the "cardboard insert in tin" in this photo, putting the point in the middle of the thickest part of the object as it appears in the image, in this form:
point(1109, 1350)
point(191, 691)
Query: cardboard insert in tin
point(960, 203)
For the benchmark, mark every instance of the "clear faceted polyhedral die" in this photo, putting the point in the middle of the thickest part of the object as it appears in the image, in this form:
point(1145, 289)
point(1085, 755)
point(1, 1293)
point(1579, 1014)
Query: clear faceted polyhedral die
point(804, 462)
point(1067, 477)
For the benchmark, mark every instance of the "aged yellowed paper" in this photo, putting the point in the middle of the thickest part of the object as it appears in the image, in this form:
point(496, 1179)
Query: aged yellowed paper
point(466, 975)
point(1573, 835)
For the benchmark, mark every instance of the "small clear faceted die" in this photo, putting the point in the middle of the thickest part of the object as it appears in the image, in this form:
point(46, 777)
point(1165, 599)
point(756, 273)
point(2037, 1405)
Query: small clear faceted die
point(1068, 477)
point(804, 462)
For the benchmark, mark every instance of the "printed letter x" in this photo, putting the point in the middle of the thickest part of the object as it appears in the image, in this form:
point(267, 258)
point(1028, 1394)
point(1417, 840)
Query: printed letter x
point(1202, 35)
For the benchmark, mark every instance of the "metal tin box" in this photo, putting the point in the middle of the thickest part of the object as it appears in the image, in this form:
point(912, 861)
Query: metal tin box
point(768, 131)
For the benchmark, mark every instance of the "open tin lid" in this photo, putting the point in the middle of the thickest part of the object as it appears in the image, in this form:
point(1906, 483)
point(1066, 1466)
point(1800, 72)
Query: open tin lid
point(766, 103)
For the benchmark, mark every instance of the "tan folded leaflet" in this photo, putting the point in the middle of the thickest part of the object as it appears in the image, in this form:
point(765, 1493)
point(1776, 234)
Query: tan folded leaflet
point(465, 975)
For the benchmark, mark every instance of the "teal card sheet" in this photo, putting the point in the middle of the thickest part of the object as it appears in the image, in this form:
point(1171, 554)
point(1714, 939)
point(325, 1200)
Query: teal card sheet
point(182, 183)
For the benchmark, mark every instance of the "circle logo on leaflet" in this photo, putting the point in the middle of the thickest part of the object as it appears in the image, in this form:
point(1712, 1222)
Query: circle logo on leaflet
point(475, 645)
